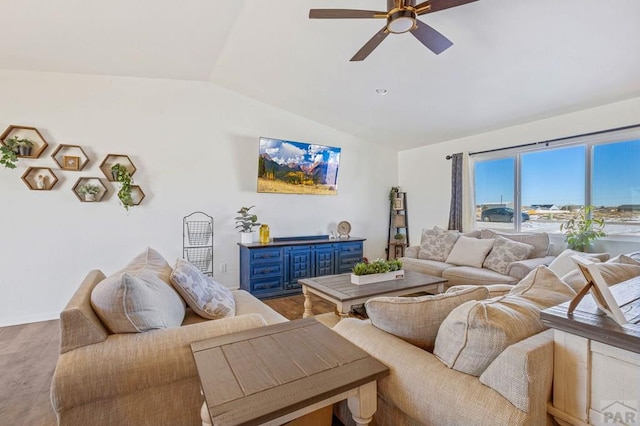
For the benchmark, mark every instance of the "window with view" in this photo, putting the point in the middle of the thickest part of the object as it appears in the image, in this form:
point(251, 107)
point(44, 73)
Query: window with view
point(548, 186)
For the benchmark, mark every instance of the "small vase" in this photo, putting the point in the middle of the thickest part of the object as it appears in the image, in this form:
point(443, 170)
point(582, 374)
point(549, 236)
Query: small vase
point(89, 197)
point(246, 237)
point(24, 151)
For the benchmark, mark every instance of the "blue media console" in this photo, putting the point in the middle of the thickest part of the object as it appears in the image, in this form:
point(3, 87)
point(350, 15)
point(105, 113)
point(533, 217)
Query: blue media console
point(273, 269)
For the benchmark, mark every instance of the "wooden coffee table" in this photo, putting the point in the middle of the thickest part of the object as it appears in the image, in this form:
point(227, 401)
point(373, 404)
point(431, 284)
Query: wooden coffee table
point(338, 289)
point(274, 374)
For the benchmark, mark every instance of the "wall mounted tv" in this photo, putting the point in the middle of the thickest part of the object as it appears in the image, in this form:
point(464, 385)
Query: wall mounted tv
point(297, 168)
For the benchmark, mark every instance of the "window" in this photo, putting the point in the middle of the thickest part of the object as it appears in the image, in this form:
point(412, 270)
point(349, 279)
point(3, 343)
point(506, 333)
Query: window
point(548, 185)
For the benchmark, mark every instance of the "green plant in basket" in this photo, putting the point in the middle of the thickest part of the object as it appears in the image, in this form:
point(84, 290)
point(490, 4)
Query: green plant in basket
point(378, 266)
point(582, 229)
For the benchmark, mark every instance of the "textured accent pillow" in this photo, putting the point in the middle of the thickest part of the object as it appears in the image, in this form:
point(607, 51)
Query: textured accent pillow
point(438, 246)
point(475, 333)
point(612, 273)
point(539, 241)
point(563, 263)
point(504, 252)
point(139, 297)
point(417, 319)
point(203, 294)
point(542, 288)
point(469, 251)
point(623, 258)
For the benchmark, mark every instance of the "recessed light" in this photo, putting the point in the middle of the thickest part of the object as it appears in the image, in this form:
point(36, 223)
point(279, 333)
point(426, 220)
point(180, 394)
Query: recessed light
point(381, 92)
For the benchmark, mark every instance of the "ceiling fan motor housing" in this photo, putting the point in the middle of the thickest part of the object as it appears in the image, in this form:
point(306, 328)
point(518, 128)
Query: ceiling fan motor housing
point(401, 20)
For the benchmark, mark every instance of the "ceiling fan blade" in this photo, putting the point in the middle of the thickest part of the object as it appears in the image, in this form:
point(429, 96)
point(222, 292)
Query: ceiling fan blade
point(431, 6)
point(370, 45)
point(344, 14)
point(431, 38)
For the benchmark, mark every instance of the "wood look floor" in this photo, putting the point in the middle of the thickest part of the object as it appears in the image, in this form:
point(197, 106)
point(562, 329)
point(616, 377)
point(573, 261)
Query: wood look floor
point(28, 356)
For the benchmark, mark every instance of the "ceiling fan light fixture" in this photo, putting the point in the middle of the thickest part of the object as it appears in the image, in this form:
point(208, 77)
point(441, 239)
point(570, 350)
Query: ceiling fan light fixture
point(381, 92)
point(401, 20)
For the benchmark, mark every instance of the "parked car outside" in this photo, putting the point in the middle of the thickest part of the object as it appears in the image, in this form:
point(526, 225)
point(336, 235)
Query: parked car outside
point(501, 214)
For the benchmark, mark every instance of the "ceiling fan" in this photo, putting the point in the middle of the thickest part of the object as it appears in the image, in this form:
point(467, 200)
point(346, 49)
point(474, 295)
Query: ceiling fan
point(401, 17)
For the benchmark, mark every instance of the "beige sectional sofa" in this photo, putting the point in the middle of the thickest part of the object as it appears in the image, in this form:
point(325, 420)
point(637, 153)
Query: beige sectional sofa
point(460, 270)
point(146, 378)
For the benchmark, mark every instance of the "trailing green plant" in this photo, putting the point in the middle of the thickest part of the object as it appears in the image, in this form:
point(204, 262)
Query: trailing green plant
point(582, 229)
point(246, 221)
point(88, 188)
point(9, 156)
point(378, 266)
point(122, 175)
point(393, 193)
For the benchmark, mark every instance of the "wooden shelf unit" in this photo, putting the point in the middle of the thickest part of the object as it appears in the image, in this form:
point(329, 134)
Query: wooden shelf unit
point(63, 151)
point(398, 224)
point(94, 181)
point(112, 159)
point(30, 133)
point(30, 178)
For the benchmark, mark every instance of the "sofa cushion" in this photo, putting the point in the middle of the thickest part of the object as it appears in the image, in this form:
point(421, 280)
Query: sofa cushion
point(623, 258)
point(612, 273)
point(476, 332)
point(429, 267)
point(539, 240)
point(207, 297)
point(417, 319)
point(563, 263)
point(468, 274)
point(139, 297)
point(437, 247)
point(469, 251)
point(505, 251)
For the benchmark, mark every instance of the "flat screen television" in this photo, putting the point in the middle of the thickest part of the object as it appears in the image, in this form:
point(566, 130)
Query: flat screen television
point(289, 167)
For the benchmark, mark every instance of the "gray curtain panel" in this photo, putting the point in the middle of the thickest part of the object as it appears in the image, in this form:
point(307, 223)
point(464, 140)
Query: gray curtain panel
point(455, 213)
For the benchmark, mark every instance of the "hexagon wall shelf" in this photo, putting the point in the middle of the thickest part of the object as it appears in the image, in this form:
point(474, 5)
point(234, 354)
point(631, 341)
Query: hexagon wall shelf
point(39, 178)
point(70, 157)
point(112, 159)
point(137, 195)
point(93, 181)
point(30, 133)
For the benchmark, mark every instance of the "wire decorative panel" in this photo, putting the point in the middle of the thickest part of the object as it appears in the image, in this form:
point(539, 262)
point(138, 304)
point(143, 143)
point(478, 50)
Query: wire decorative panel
point(199, 232)
point(200, 257)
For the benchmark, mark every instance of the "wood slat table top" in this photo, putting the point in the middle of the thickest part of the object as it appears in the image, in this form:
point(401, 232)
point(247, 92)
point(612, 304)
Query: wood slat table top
point(341, 288)
point(589, 322)
point(261, 374)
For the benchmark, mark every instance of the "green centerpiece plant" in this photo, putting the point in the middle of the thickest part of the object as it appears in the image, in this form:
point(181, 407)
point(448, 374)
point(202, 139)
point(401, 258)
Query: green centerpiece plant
point(582, 229)
point(378, 266)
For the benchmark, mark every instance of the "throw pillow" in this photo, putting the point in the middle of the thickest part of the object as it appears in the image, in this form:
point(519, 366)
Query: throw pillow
point(504, 252)
point(543, 288)
point(203, 294)
point(623, 258)
point(469, 251)
point(139, 297)
point(539, 241)
point(437, 247)
point(612, 273)
point(475, 333)
point(417, 319)
point(563, 263)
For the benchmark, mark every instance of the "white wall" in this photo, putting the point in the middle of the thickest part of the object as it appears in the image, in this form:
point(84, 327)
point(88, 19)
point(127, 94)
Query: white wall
point(425, 173)
point(195, 146)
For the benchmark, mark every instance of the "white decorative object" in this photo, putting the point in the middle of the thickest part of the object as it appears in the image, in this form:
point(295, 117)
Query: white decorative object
point(376, 278)
point(246, 237)
point(89, 197)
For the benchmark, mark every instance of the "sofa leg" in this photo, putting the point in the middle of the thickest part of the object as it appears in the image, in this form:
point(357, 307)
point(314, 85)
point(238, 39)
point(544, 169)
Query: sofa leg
point(364, 404)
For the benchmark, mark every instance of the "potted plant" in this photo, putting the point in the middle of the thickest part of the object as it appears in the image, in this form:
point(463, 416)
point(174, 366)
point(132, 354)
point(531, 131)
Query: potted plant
point(9, 153)
point(24, 146)
point(122, 175)
point(399, 237)
point(245, 223)
point(379, 270)
point(89, 191)
point(393, 194)
point(581, 230)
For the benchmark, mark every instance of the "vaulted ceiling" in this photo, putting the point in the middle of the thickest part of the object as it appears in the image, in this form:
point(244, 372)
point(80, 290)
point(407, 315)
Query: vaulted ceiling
point(512, 61)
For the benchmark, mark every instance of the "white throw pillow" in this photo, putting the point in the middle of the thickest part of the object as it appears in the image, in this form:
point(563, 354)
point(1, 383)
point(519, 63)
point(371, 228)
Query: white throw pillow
point(139, 297)
point(543, 288)
point(563, 263)
point(504, 252)
point(417, 319)
point(469, 251)
point(203, 294)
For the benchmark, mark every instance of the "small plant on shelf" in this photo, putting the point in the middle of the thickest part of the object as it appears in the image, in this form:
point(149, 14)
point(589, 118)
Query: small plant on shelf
point(246, 221)
point(9, 156)
point(24, 145)
point(581, 230)
point(122, 175)
point(399, 237)
point(393, 193)
point(89, 191)
point(378, 266)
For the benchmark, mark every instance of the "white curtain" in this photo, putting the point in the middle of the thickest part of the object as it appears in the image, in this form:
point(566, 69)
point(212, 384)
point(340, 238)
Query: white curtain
point(468, 194)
